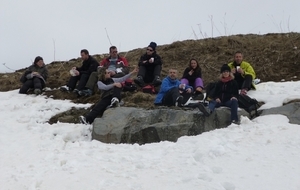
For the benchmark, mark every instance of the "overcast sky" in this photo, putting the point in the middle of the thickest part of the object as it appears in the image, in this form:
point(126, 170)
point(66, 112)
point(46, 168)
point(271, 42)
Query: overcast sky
point(30, 28)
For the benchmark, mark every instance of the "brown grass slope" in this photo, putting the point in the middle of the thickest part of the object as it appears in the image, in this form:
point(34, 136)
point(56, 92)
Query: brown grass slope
point(273, 56)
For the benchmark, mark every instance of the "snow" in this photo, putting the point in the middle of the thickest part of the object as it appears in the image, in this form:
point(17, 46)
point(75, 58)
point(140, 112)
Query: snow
point(257, 154)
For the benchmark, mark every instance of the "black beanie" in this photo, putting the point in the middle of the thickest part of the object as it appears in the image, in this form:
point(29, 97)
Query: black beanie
point(225, 67)
point(152, 45)
point(37, 59)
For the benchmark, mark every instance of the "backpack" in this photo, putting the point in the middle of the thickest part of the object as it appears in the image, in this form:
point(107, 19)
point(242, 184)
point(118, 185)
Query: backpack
point(128, 86)
point(249, 105)
point(149, 89)
point(210, 90)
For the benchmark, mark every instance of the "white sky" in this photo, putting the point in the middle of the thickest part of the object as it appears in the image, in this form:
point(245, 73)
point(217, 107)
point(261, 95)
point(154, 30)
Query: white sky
point(29, 28)
point(260, 154)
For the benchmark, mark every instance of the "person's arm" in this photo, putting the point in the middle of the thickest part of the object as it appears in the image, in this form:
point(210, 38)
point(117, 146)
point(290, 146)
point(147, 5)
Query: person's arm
point(142, 60)
point(157, 60)
point(93, 65)
point(125, 66)
point(122, 79)
point(103, 86)
point(235, 89)
point(186, 73)
point(248, 70)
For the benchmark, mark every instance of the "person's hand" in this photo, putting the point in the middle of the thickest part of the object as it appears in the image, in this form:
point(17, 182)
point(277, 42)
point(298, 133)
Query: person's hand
point(181, 86)
point(189, 90)
point(117, 84)
point(135, 70)
point(240, 70)
point(35, 73)
point(151, 60)
point(145, 61)
point(112, 73)
point(233, 98)
point(218, 100)
point(76, 72)
point(191, 72)
point(233, 70)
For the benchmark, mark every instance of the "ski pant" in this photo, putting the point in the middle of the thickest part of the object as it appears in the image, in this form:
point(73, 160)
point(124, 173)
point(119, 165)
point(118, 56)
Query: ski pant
point(101, 106)
point(197, 83)
point(170, 97)
point(148, 72)
point(93, 79)
point(35, 83)
point(232, 104)
point(82, 78)
point(245, 83)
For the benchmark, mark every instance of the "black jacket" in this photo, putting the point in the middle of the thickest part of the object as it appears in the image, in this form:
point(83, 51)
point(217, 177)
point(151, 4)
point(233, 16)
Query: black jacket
point(191, 78)
point(226, 90)
point(88, 66)
point(146, 57)
point(34, 68)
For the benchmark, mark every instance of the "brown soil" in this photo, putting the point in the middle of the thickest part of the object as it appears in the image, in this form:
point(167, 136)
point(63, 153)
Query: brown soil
point(275, 57)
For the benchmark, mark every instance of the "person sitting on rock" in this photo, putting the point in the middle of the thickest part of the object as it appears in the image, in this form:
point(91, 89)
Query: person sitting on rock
point(243, 72)
point(110, 96)
point(117, 66)
point(192, 76)
point(34, 77)
point(171, 91)
point(226, 94)
point(150, 65)
point(82, 73)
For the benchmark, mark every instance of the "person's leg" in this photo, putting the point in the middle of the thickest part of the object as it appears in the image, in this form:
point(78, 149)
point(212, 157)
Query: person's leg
point(25, 87)
point(118, 75)
point(72, 82)
point(37, 83)
point(82, 81)
point(213, 104)
point(198, 84)
point(156, 75)
point(139, 80)
point(171, 96)
point(247, 82)
point(92, 81)
point(98, 109)
point(233, 105)
point(184, 81)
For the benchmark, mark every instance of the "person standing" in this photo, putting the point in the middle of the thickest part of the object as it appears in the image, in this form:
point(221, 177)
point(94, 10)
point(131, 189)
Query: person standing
point(34, 77)
point(150, 65)
point(81, 74)
point(243, 73)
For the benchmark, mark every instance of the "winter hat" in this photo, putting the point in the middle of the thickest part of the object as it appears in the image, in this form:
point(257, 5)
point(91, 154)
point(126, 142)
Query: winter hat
point(152, 45)
point(37, 59)
point(225, 67)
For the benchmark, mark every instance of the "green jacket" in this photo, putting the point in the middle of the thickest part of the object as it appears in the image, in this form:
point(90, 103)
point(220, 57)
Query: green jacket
point(247, 68)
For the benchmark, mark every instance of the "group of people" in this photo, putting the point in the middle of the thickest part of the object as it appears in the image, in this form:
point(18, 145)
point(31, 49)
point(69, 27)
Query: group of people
point(112, 71)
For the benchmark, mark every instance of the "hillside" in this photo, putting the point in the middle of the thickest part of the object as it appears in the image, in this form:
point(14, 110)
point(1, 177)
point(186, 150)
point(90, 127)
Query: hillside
point(275, 57)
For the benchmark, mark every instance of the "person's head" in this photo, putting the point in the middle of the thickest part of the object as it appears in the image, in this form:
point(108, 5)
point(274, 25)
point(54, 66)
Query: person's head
point(84, 54)
point(238, 57)
point(103, 74)
point(173, 73)
point(226, 71)
point(151, 48)
point(38, 61)
point(193, 64)
point(113, 52)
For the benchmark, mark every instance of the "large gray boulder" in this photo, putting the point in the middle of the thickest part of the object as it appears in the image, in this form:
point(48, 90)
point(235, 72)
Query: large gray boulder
point(291, 110)
point(136, 125)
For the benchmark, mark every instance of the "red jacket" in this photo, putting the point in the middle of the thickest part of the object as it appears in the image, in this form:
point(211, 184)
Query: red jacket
point(121, 63)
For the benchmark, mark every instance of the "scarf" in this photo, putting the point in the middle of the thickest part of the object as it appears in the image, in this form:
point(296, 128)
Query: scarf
point(223, 79)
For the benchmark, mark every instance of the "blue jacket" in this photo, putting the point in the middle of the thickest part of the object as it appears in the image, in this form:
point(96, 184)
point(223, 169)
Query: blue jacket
point(166, 85)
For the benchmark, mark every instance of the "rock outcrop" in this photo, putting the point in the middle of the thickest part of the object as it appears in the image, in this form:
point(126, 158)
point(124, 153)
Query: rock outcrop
point(136, 125)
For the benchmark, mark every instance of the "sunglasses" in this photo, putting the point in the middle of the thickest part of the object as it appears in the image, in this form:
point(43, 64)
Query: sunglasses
point(149, 50)
point(114, 51)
